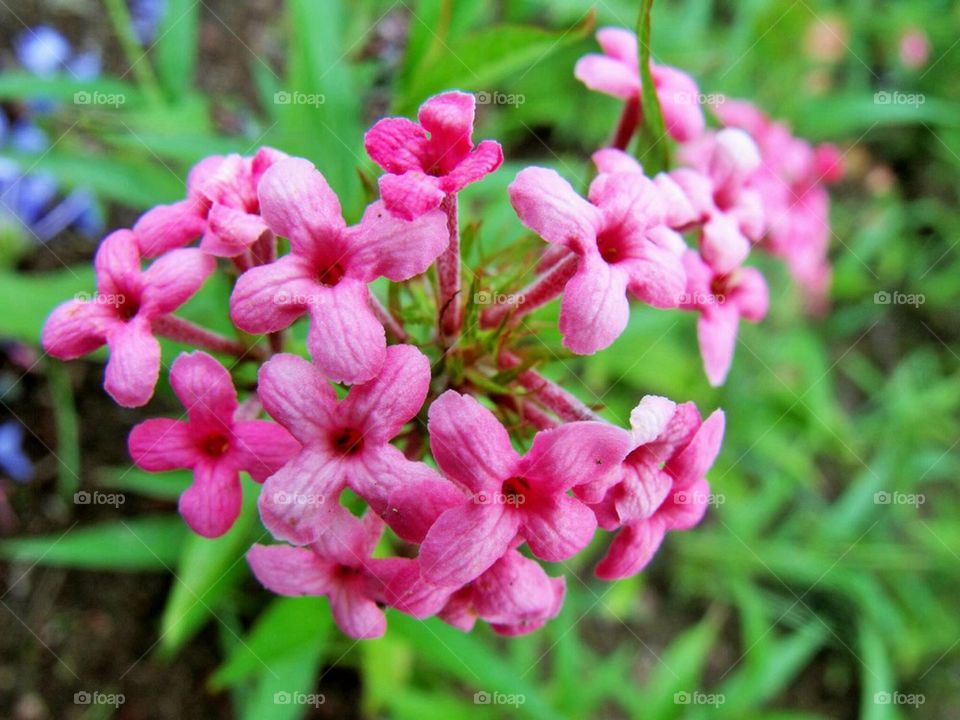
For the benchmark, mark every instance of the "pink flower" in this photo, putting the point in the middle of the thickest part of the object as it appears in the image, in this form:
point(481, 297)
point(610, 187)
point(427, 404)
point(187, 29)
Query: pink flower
point(513, 498)
point(328, 269)
point(515, 596)
point(730, 209)
point(616, 72)
point(721, 300)
point(425, 162)
point(347, 442)
point(663, 485)
point(338, 565)
point(221, 206)
point(122, 313)
point(211, 443)
point(617, 236)
point(914, 48)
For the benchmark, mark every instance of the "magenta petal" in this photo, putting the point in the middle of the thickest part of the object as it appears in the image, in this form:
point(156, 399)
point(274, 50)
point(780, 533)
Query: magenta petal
point(631, 550)
point(298, 499)
point(717, 333)
point(206, 390)
point(683, 509)
point(117, 263)
point(383, 245)
point(751, 295)
point(262, 448)
point(134, 365)
point(417, 500)
point(411, 194)
point(469, 443)
point(619, 44)
point(465, 541)
point(607, 75)
point(297, 396)
point(212, 503)
point(548, 205)
point(594, 310)
point(612, 160)
point(297, 203)
point(396, 145)
point(643, 490)
point(166, 227)
point(515, 591)
point(384, 404)
point(557, 527)
point(76, 328)
point(656, 276)
point(270, 297)
point(162, 444)
point(482, 161)
point(448, 118)
point(459, 611)
point(231, 231)
point(406, 590)
point(575, 453)
point(692, 463)
point(173, 279)
point(346, 341)
point(290, 571)
point(722, 244)
point(357, 614)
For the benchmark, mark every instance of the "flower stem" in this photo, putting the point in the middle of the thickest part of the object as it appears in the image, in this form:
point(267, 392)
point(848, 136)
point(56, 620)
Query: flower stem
point(654, 129)
point(627, 125)
point(184, 331)
point(387, 319)
point(448, 271)
point(539, 292)
point(564, 404)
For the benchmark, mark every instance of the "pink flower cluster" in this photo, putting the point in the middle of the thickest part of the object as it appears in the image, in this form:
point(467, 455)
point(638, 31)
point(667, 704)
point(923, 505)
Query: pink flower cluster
point(455, 522)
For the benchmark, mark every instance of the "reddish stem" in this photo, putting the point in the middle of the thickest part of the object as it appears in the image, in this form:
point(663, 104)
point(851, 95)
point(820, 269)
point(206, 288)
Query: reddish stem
point(448, 271)
point(629, 120)
point(539, 292)
point(387, 319)
point(184, 331)
point(564, 404)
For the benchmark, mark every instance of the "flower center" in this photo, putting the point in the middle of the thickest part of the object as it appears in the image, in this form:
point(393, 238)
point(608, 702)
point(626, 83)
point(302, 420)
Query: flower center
point(515, 491)
point(347, 441)
point(610, 246)
point(215, 444)
point(330, 275)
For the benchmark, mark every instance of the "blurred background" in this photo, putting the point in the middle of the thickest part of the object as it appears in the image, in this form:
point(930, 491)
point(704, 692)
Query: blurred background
point(823, 582)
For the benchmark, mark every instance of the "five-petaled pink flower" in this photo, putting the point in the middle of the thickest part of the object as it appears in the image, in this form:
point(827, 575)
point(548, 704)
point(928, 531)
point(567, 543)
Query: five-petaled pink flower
point(328, 269)
point(221, 206)
point(347, 442)
point(722, 299)
point(211, 442)
point(337, 565)
point(122, 313)
point(616, 72)
point(512, 498)
point(425, 162)
point(619, 240)
point(663, 485)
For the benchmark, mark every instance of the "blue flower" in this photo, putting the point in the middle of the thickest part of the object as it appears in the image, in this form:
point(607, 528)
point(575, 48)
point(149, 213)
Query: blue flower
point(13, 460)
point(146, 16)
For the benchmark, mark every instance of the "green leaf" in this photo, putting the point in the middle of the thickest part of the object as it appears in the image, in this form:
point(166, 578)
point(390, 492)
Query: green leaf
point(286, 691)
point(175, 49)
point(287, 628)
point(207, 570)
point(23, 85)
point(148, 543)
point(655, 151)
point(161, 486)
point(68, 430)
point(28, 299)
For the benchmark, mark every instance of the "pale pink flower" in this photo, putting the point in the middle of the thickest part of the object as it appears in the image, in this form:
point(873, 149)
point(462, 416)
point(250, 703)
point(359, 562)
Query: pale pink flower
point(512, 498)
point(221, 207)
point(328, 269)
point(347, 443)
point(663, 485)
point(618, 238)
point(425, 162)
point(722, 299)
point(338, 566)
point(616, 72)
point(211, 443)
point(122, 313)
point(914, 48)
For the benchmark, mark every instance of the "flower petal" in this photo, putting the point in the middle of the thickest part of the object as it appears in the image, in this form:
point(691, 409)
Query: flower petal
point(557, 527)
point(469, 443)
point(297, 501)
point(231, 231)
point(691, 464)
point(162, 444)
point(383, 245)
point(117, 263)
point(134, 365)
point(576, 453)
point(297, 203)
point(212, 503)
point(515, 591)
point(355, 612)
point(173, 279)
point(418, 498)
point(607, 75)
point(548, 205)
point(290, 571)
point(166, 227)
point(717, 334)
point(411, 194)
point(397, 144)
point(594, 310)
point(297, 396)
point(448, 118)
point(631, 550)
point(262, 448)
point(206, 390)
point(482, 160)
point(270, 297)
point(77, 327)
